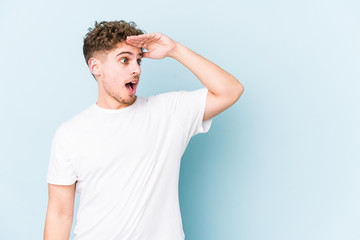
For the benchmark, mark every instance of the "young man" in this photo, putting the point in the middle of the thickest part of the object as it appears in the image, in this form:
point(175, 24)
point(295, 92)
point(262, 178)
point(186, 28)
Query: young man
point(122, 154)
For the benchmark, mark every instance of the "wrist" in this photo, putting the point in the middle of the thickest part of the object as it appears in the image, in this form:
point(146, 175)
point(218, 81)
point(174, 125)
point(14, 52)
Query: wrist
point(174, 53)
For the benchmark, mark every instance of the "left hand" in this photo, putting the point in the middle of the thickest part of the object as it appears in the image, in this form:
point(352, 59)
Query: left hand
point(158, 45)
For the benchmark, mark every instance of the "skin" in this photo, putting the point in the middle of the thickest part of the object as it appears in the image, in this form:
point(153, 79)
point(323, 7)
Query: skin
point(113, 70)
point(112, 73)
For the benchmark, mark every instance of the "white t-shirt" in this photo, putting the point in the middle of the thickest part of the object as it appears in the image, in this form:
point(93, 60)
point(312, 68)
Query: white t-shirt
point(126, 163)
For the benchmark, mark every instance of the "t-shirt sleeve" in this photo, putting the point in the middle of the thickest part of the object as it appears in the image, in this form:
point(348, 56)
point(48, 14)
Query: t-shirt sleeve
point(60, 168)
point(189, 107)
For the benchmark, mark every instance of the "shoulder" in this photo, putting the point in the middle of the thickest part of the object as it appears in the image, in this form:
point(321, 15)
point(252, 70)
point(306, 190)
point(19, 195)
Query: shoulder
point(77, 121)
point(178, 94)
point(164, 95)
point(162, 99)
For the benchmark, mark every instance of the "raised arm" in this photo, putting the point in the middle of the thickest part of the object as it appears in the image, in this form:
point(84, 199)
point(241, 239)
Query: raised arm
point(224, 89)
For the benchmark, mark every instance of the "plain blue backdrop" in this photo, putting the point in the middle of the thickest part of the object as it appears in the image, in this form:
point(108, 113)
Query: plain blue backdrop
point(282, 163)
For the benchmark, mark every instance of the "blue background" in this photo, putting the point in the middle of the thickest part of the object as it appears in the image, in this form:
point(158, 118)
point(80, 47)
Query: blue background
point(282, 163)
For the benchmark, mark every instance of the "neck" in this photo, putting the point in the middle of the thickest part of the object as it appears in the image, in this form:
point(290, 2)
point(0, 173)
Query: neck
point(112, 101)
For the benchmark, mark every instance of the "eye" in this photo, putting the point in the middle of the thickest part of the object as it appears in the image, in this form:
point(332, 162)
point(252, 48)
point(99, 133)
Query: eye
point(124, 60)
point(139, 61)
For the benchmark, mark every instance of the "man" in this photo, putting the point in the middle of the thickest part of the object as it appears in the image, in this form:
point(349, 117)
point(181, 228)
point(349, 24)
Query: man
point(122, 154)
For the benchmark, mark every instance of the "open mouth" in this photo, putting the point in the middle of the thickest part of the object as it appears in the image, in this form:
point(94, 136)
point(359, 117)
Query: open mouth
point(131, 87)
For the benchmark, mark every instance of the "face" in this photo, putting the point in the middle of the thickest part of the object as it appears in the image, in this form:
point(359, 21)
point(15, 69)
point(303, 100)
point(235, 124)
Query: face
point(118, 75)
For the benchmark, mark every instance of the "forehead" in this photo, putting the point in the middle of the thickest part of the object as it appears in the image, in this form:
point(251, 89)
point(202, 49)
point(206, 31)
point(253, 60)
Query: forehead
point(124, 48)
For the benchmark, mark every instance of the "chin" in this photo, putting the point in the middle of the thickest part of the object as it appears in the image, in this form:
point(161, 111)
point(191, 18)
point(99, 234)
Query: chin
point(133, 99)
point(129, 100)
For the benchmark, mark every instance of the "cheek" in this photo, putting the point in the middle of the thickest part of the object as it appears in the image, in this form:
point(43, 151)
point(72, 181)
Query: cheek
point(115, 79)
point(110, 72)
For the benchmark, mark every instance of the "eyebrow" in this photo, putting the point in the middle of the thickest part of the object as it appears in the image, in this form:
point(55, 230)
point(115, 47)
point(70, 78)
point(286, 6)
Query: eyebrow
point(127, 52)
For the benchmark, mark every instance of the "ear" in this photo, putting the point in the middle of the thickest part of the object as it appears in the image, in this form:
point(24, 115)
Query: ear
point(94, 66)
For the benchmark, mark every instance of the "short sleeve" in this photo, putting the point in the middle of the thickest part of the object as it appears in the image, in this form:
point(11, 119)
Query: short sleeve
point(60, 168)
point(188, 108)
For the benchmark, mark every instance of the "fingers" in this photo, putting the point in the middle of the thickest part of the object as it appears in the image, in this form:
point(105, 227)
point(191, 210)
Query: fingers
point(136, 42)
point(139, 38)
point(142, 40)
point(146, 55)
point(143, 36)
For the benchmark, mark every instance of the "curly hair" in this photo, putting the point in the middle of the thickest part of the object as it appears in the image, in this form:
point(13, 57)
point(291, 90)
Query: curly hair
point(106, 35)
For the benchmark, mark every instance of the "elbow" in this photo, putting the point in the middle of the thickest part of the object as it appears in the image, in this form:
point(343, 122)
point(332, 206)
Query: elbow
point(235, 93)
point(232, 93)
point(239, 89)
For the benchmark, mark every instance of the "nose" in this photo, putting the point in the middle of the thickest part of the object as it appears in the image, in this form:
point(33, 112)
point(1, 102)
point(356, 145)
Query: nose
point(136, 69)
